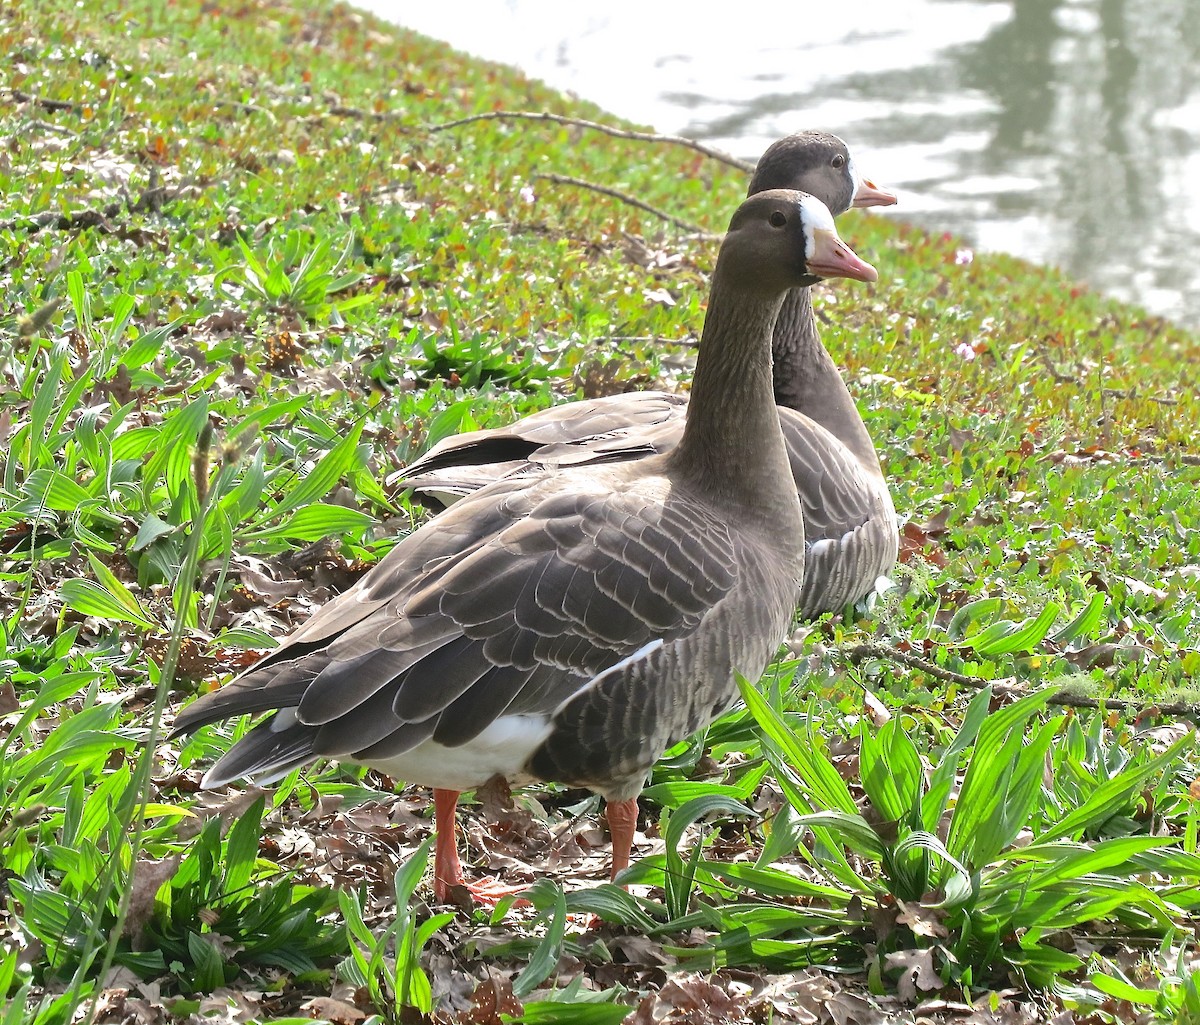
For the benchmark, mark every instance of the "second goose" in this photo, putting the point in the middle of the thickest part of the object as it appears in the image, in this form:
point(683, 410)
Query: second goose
point(849, 518)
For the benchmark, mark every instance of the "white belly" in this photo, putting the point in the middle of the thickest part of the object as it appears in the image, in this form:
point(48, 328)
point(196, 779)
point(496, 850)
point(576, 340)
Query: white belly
point(501, 749)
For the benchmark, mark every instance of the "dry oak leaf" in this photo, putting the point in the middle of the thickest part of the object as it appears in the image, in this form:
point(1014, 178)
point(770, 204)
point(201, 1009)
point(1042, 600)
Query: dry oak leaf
point(148, 877)
point(921, 920)
point(492, 998)
point(336, 1011)
point(916, 972)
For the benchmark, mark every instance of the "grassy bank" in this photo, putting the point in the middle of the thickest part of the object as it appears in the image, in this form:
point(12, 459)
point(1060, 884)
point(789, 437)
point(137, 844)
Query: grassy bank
point(245, 280)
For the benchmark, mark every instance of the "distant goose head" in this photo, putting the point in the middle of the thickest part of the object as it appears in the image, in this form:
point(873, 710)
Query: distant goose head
point(783, 239)
point(821, 164)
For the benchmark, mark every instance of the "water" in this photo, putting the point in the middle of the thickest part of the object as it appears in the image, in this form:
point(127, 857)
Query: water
point(1065, 131)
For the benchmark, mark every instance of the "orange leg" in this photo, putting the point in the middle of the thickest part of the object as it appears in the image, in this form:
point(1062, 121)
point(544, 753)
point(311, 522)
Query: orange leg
point(622, 821)
point(447, 869)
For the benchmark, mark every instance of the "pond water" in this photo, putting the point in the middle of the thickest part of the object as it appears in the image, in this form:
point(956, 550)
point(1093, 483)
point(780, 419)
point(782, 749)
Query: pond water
point(1065, 131)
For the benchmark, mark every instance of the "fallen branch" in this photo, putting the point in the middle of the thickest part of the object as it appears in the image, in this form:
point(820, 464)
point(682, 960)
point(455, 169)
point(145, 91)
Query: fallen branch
point(20, 96)
point(597, 126)
point(625, 197)
point(247, 108)
point(862, 652)
point(151, 200)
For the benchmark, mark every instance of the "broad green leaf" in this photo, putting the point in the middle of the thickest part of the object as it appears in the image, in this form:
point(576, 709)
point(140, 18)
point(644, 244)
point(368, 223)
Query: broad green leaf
point(852, 829)
point(151, 529)
point(1001, 782)
point(338, 461)
point(892, 774)
point(678, 792)
point(1004, 638)
point(241, 851)
point(1122, 990)
point(553, 1012)
point(1113, 794)
point(696, 809)
point(552, 904)
point(807, 760)
point(209, 965)
point(44, 400)
point(971, 612)
point(613, 904)
point(90, 599)
point(409, 874)
point(942, 778)
point(314, 522)
point(108, 580)
point(1084, 624)
point(774, 882)
point(53, 490)
point(147, 345)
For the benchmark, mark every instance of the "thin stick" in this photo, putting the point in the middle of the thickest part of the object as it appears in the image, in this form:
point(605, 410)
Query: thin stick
point(20, 96)
point(596, 126)
point(625, 197)
point(862, 652)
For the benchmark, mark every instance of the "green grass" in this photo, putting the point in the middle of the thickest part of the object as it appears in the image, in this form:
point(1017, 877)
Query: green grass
point(243, 283)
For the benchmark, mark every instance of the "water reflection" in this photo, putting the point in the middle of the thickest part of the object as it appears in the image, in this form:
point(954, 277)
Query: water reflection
point(1067, 131)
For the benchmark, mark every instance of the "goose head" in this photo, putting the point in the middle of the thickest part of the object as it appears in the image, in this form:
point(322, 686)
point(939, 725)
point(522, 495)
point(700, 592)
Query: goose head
point(821, 164)
point(783, 239)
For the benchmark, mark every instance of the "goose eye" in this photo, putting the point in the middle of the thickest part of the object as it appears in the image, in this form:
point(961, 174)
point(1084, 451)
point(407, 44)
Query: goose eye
point(839, 161)
point(778, 220)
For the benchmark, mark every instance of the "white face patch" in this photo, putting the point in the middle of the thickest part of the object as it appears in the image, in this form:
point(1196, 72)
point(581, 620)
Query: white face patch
point(855, 180)
point(816, 217)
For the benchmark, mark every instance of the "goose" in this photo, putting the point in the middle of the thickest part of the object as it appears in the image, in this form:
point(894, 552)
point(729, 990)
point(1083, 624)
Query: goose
point(849, 518)
point(567, 624)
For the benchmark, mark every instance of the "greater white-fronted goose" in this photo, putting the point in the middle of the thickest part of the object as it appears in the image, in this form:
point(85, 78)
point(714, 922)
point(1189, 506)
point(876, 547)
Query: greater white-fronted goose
point(849, 519)
point(568, 624)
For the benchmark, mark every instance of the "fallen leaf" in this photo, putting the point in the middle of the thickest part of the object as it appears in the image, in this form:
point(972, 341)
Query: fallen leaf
point(921, 920)
point(916, 972)
point(492, 998)
point(148, 877)
point(337, 1011)
point(917, 543)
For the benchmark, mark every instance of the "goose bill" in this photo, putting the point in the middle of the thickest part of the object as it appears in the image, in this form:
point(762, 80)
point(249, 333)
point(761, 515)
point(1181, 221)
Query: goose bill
point(870, 194)
point(832, 258)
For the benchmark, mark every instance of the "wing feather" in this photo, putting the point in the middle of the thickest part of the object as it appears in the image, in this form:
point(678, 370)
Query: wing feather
point(510, 603)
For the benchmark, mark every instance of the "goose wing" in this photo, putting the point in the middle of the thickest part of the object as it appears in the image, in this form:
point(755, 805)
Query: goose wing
point(613, 428)
point(509, 604)
point(849, 519)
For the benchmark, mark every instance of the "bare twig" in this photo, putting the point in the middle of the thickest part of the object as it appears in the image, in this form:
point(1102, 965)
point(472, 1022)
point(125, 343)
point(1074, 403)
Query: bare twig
point(625, 197)
point(341, 110)
point(862, 652)
point(596, 126)
point(20, 96)
point(151, 199)
point(247, 108)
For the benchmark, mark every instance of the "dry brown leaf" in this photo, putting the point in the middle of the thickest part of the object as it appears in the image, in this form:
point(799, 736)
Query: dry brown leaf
point(8, 698)
point(337, 1011)
point(492, 998)
point(921, 920)
point(916, 972)
point(917, 543)
point(148, 877)
point(695, 1000)
point(875, 709)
